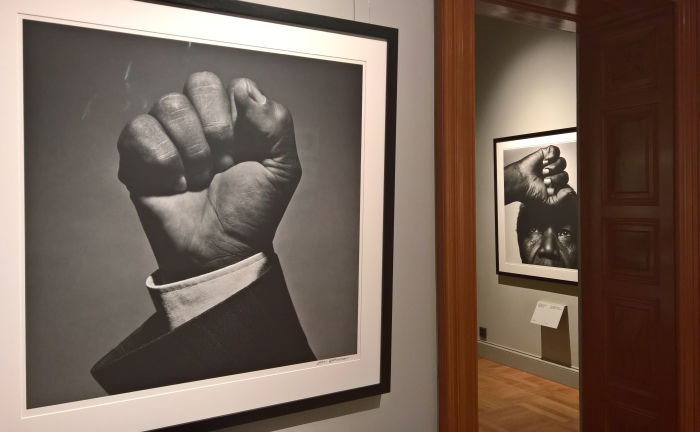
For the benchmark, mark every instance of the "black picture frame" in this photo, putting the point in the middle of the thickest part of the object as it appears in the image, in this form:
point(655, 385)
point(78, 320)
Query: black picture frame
point(506, 240)
point(355, 29)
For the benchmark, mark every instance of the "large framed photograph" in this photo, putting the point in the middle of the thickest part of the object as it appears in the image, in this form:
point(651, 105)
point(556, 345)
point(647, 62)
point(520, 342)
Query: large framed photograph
point(198, 213)
point(537, 205)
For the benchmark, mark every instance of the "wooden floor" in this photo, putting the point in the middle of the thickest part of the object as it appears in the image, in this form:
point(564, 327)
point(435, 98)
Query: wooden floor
point(514, 401)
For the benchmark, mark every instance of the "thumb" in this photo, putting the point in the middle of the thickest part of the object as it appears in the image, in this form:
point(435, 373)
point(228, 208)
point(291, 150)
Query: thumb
point(531, 162)
point(266, 127)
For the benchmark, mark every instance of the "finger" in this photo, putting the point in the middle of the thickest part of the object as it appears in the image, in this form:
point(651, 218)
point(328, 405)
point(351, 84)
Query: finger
point(557, 180)
point(560, 195)
point(264, 129)
point(180, 121)
point(149, 163)
point(555, 167)
point(209, 98)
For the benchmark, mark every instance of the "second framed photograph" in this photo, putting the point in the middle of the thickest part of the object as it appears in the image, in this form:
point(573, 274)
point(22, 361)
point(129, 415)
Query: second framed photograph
point(537, 205)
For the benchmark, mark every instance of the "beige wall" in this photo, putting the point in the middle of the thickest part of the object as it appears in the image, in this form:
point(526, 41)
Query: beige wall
point(526, 82)
point(412, 404)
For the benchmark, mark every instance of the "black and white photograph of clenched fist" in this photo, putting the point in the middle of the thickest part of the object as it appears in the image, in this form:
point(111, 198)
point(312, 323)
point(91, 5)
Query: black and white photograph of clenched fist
point(192, 211)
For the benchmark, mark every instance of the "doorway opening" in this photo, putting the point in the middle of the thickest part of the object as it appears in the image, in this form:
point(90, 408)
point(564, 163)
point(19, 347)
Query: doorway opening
point(526, 242)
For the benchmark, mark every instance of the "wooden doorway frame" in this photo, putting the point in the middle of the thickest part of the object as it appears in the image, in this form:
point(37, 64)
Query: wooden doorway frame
point(455, 215)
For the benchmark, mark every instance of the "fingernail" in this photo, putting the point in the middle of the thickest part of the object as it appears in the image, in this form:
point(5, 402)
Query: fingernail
point(550, 191)
point(545, 162)
point(548, 181)
point(181, 185)
point(545, 171)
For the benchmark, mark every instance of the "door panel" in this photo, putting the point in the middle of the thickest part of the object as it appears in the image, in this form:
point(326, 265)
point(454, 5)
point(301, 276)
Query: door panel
point(626, 170)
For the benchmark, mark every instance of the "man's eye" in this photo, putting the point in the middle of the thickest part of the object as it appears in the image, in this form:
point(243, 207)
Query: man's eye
point(564, 233)
point(534, 230)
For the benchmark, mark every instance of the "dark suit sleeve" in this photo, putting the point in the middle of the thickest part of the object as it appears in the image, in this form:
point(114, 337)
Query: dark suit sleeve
point(257, 328)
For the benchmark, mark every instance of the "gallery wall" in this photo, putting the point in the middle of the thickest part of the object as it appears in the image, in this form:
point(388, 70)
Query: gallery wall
point(412, 404)
point(525, 83)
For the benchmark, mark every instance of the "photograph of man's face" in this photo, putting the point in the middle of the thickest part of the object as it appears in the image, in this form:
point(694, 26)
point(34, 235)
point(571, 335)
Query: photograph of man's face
point(537, 204)
point(546, 237)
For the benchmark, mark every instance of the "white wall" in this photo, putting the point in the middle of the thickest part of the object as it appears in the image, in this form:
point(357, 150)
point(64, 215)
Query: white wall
point(526, 82)
point(412, 403)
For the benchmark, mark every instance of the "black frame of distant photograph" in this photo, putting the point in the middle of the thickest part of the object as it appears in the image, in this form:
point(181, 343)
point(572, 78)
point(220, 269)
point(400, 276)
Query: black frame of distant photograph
point(496, 141)
point(361, 31)
point(390, 35)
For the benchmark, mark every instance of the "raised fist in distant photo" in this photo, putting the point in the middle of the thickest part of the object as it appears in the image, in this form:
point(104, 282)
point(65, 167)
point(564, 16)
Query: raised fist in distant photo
point(538, 177)
point(211, 171)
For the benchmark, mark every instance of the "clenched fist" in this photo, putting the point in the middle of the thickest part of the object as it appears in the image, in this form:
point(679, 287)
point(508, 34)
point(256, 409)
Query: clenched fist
point(538, 177)
point(210, 171)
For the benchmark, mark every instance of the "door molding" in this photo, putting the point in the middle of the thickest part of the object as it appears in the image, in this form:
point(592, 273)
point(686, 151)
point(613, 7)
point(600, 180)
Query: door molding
point(687, 214)
point(455, 214)
point(455, 220)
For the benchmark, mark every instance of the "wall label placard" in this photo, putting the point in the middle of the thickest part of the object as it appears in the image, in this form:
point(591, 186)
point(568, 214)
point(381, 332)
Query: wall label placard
point(547, 314)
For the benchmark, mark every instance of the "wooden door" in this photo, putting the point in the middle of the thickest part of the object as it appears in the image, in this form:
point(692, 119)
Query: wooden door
point(626, 172)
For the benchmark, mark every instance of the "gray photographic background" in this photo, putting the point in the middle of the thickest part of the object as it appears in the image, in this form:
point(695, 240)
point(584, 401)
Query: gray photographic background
point(86, 255)
point(568, 152)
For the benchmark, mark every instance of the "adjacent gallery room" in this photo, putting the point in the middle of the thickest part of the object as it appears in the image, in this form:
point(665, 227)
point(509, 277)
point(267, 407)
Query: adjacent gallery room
point(526, 223)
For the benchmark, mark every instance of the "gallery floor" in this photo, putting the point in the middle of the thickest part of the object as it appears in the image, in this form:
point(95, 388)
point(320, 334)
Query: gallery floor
point(514, 401)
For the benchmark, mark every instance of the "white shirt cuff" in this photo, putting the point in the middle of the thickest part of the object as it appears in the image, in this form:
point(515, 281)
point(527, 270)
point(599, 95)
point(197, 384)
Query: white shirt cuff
point(183, 300)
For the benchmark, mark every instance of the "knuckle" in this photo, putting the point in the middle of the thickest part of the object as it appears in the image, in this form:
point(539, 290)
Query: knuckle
point(171, 102)
point(202, 85)
point(139, 125)
point(203, 79)
point(134, 131)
